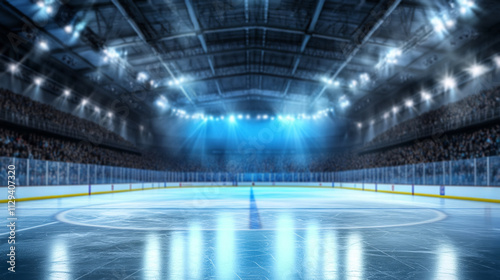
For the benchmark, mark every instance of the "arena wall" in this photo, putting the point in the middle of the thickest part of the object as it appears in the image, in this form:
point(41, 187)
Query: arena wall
point(477, 193)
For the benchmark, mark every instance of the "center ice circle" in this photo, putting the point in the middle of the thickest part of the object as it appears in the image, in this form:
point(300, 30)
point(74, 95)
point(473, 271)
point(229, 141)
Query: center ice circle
point(272, 215)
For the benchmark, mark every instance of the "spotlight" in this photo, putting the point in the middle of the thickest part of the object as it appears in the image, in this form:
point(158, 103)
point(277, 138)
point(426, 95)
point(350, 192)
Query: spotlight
point(354, 83)
point(280, 117)
point(336, 83)
point(170, 83)
point(176, 82)
point(40, 4)
point(211, 118)
point(344, 103)
point(360, 125)
point(13, 68)
point(395, 109)
point(450, 23)
point(232, 118)
point(66, 92)
point(258, 117)
point(477, 70)
point(409, 103)
point(465, 6)
point(372, 122)
point(265, 117)
point(248, 117)
point(141, 127)
point(449, 83)
point(111, 53)
point(68, 29)
point(272, 118)
point(438, 25)
point(181, 80)
point(425, 96)
point(240, 117)
point(386, 115)
point(161, 104)
point(38, 81)
point(141, 77)
point(110, 114)
point(392, 56)
point(84, 102)
point(221, 117)
point(43, 45)
point(49, 10)
point(97, 109)
point(364, 77)
point(496, 59)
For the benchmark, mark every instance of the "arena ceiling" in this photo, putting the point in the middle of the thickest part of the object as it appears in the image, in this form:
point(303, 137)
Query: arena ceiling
point(225, 56)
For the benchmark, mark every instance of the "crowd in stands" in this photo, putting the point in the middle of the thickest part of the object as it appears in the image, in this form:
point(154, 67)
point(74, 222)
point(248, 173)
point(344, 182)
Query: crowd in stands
point(466, 109)
point(34, 145)
point(475, 143)
point(24, 107)
point(466, 145)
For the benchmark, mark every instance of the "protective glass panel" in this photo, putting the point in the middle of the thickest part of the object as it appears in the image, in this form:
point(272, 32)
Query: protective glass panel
point(494, 171)
point(481, 178)
point(462, 172)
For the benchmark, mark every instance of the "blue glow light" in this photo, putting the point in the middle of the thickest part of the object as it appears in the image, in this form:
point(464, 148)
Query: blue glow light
point(232, 119)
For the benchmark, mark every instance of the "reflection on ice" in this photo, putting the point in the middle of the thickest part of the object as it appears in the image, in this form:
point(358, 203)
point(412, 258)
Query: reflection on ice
point(330, 256)
point(312, 251)
point(226, 249)
point(59, 260)
point(446, 263)
point(354, 261)
point(152, 260)
point(284, 250)
point(195, 256)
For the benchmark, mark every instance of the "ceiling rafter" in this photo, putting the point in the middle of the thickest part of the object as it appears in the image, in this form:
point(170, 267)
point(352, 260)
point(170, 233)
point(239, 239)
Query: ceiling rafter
point(130, 12)
point(358, 46)
point(307, 37)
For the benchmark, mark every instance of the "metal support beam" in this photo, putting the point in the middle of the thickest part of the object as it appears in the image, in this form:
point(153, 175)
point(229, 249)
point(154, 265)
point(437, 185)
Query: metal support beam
point(146, 38)
point(124, 42)
point(253, 94)
point(201, 38)
point(307, 37)
point(356, 49)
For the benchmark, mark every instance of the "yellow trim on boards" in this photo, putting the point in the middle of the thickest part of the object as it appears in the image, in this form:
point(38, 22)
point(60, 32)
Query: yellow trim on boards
point(322, 187)
point(428, 195)
point(79, 194)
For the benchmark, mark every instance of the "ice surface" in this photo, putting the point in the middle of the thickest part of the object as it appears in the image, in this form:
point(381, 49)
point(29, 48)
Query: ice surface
point(259, 233)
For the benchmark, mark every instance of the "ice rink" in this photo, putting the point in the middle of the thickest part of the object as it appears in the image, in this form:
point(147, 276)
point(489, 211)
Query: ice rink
point(255, 233)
